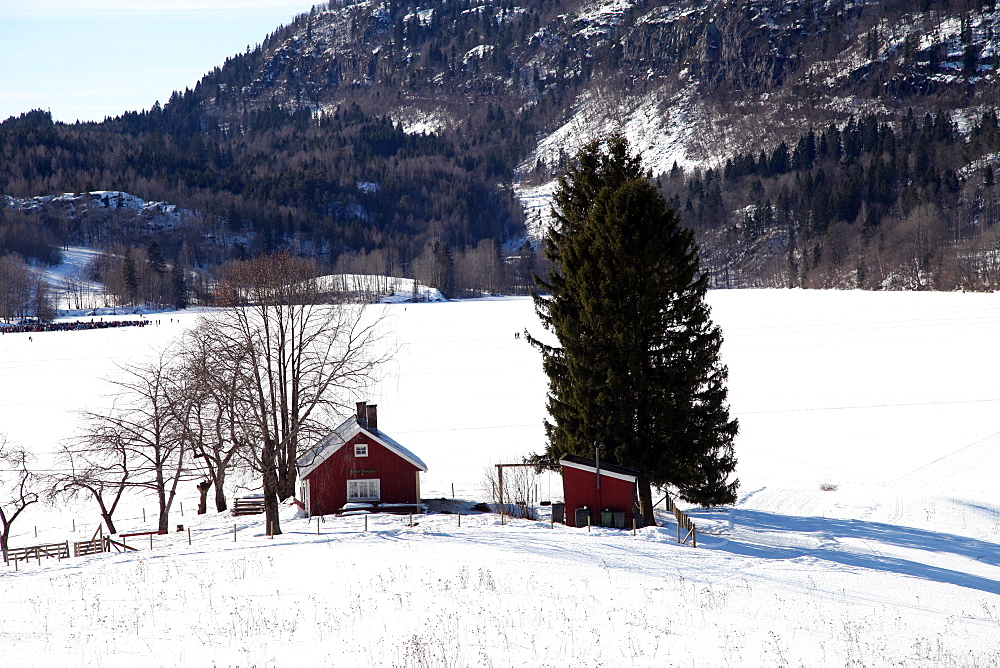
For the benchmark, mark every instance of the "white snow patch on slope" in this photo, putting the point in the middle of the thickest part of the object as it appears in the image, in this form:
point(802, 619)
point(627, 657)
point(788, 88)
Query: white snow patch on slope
point(537, 204)
point(663, 130)
point(383, 289)
point(477, 52)
point(660, 129)
point(73, 290)
point(417, 121)
point(599, 15)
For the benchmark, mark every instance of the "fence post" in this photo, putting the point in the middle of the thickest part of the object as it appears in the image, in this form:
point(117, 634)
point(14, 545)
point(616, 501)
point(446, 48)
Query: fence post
point(189, 535)
point(588, 523)
point(460, 520)
point(151, 541)
point(694, 537)
point(366, 523)
point(317, 526)
point(234, 532)
point(633, 526)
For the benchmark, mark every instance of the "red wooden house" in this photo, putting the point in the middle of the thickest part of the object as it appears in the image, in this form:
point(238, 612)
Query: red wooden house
point(614, 494)
point(357, 463)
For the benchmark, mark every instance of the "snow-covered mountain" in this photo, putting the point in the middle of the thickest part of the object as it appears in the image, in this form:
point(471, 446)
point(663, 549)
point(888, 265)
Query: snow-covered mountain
point(685, 81)
point(398, 125)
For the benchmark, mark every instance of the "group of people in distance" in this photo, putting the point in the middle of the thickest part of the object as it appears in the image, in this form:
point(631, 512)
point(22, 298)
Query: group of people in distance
point(76, 325)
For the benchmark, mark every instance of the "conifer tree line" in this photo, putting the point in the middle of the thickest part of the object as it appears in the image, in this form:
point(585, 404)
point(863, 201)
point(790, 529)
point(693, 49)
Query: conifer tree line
point(635, 370)
point(868, 204)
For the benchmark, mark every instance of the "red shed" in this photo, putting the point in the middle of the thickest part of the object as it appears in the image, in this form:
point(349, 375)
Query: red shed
point(614, 493)
point(357, 463)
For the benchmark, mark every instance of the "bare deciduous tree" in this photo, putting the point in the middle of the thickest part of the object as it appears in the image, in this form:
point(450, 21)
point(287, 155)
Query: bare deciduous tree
point(88, 467)
point(15, 288)
point(215, 428)
point(298, 359)
point(144, 428)
point(16, 487)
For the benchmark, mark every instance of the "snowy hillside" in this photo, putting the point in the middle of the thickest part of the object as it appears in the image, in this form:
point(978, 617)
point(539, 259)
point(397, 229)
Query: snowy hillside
point(867, 530)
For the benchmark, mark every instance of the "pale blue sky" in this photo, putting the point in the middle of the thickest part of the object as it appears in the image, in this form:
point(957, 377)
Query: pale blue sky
point(87, 59)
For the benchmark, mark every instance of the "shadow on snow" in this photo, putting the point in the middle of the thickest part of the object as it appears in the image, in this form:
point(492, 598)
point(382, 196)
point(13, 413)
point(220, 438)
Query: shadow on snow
point(833, 530)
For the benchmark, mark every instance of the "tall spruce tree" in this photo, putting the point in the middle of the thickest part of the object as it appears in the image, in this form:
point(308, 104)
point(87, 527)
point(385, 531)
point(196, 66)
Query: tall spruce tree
point(636, 369)
point(130, 277)
point(180, 293)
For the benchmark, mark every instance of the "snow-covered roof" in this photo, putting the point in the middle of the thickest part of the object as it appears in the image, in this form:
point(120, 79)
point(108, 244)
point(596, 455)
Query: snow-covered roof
point(607, 469)
point(351, 427)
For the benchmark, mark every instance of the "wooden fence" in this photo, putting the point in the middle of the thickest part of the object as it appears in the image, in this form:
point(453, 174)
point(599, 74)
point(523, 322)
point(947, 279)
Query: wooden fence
point(50, 551)
point(99, 544)
point(684, 523)
point(84, 547)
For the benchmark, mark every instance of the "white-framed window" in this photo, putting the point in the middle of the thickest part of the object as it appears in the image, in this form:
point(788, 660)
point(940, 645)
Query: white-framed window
point(367, 489)
point(360, 449)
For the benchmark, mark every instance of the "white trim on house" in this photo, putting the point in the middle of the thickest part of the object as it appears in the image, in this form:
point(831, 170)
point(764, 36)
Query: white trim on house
point(365, 489)
point(306, 496)
point(335, 440)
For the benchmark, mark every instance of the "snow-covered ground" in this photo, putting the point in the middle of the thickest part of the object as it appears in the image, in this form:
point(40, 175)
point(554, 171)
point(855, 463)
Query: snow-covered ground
point(72, 289)
point(889, 401)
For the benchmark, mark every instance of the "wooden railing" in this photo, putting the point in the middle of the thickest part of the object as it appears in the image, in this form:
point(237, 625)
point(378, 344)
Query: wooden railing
point(684, 523)
point(99, 544)
point(84, 547)
point(110, 543)
point(50, 551)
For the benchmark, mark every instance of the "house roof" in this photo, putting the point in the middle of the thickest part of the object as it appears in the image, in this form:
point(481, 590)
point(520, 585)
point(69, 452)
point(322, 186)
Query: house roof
point(332, 442)
point(607, 469)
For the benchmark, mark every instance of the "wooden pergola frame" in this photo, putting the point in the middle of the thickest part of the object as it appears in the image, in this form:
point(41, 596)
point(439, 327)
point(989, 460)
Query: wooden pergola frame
point(501, 467)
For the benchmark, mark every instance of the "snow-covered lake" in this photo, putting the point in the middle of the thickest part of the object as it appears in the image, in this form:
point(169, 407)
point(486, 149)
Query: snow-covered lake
point(891, 398)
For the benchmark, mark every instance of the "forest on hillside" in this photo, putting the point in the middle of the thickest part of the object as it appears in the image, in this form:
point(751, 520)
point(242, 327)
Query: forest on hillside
point(839, 144)
point(870, 204)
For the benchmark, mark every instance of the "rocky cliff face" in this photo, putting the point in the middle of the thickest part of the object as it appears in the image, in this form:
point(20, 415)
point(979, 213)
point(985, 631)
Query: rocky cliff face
point(691, 82)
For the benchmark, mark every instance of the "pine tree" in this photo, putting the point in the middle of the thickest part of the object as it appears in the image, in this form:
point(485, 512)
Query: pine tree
point(636, 369)
point(179, 287)
point(130, 277)
point(155, 258)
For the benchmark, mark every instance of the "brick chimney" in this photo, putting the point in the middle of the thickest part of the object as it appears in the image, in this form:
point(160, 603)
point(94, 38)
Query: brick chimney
point(372, 417)
point(362, 413)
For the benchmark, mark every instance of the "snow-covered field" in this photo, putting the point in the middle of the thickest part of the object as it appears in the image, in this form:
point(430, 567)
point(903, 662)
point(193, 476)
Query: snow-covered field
point(888, 400)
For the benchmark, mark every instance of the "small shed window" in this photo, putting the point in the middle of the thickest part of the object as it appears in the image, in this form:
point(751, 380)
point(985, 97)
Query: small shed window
point(364, 490)
point(360, 449)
